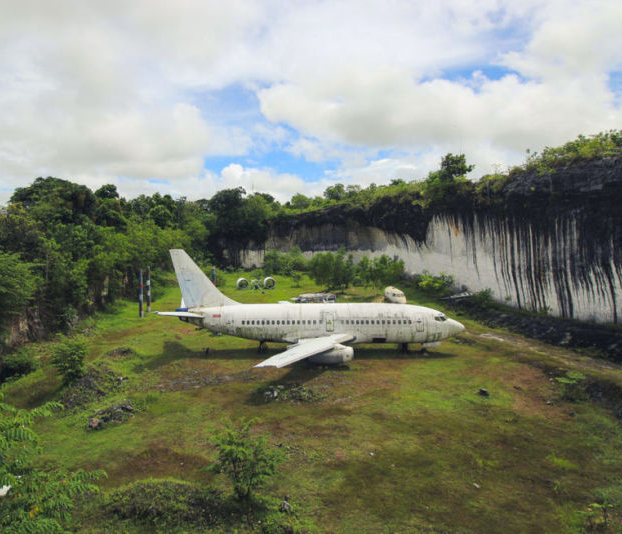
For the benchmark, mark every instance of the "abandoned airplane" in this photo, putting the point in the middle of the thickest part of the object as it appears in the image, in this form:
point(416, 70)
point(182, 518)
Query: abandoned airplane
point(317, 332)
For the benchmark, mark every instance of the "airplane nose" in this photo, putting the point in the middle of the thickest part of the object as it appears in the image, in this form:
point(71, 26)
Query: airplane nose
point(456, 327)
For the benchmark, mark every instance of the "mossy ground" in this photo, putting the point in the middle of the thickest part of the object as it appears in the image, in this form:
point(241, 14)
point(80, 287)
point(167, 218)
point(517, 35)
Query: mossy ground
point(395, 443)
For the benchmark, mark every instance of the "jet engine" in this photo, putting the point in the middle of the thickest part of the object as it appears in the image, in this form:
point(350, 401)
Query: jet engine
point(337, 356)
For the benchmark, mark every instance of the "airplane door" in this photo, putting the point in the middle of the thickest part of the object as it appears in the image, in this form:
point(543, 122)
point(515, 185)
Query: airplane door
point(419, 333)
point(330, 322)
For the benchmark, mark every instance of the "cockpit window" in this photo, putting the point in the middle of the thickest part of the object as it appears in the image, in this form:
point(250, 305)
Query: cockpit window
point(440, 318)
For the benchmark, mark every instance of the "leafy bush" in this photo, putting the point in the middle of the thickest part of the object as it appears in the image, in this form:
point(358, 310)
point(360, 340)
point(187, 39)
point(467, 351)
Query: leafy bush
point(435, 285)
point(276, 262)
point(603, 144)
point(338, 270)
point(483, 298)
point(68, 357)
point(247, 460)
point(18, 363)
point(38, 501)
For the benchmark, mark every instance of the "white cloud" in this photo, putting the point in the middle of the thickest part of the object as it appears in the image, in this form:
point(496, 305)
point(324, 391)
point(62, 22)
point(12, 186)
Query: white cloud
point(281, 186)
point(107, 90)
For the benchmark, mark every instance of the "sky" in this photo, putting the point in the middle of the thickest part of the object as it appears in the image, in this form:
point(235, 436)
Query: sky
point(188, 97)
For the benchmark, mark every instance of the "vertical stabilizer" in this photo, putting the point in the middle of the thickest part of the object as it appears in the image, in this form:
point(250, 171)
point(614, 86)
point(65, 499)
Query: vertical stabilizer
point(196, 288)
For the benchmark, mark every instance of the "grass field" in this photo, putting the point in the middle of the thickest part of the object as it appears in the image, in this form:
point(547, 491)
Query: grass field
point(392, 443)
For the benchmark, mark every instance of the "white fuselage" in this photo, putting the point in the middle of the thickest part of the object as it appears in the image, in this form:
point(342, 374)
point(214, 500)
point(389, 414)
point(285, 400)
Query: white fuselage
point(369, 323)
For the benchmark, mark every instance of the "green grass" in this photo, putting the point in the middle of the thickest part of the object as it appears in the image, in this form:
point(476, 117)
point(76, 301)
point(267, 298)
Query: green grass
point(398, 443)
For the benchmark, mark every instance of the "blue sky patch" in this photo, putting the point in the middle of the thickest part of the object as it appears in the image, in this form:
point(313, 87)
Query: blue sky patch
point(615, 85)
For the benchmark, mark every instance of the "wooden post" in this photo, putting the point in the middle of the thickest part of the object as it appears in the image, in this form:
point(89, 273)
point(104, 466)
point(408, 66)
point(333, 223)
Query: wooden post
point(148, 289)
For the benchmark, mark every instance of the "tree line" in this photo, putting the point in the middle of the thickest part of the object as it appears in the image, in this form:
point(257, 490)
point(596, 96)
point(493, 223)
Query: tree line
point(67, 250)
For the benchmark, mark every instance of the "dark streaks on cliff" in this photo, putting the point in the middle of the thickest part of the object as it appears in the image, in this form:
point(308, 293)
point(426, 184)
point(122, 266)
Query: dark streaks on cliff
point(555, 236)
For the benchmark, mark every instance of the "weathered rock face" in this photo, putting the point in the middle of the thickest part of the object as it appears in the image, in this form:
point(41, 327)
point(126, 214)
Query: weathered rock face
point(28, 326)
point(546, 242)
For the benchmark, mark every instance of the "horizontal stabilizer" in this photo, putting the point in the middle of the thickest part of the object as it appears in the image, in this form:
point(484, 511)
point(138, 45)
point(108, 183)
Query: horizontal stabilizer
point(304, 349)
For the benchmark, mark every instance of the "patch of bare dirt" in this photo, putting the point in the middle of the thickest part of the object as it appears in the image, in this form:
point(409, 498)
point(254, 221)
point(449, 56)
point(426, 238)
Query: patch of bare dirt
point(200, 378)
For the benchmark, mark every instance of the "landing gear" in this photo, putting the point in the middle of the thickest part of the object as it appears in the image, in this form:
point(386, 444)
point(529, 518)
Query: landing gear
point(263, 347)
point(404, 348)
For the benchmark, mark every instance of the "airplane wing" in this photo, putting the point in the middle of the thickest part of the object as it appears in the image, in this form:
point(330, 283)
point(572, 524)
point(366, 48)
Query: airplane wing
point(305, 348)
point(180, 314)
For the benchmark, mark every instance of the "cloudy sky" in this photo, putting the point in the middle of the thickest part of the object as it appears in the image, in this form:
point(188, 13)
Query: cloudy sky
point(191, 96)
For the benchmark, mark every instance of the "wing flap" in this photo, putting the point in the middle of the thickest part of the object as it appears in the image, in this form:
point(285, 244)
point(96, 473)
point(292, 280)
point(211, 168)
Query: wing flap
point(305, 348)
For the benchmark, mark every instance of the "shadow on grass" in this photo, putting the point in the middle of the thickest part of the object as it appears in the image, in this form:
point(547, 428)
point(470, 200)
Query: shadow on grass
point(174, 351)
point(171, 351)
point(388, 353)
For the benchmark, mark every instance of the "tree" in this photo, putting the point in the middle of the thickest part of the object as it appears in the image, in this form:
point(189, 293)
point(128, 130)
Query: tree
point(300, 202)
point(448, 187)
point(363, 270)
point(108, 191)
point(68, 357)
point(55, 199)
point(17, 286)
point(335, 192)
point(454, 166)
point(272, 262)
point(321, 268)
point(37, 501)
point(247, 460)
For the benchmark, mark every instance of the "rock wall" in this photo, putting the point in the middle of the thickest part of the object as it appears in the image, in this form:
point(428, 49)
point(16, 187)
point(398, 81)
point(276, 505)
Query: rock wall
point(549, 242)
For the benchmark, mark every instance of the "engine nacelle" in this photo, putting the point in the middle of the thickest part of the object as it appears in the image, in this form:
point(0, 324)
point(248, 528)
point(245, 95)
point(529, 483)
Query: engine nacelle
point(337, 356)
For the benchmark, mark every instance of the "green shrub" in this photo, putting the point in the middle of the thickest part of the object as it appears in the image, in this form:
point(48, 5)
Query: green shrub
point(434, 284)
point(18, 363)
point(483, 298)
point(247, 460)
point(68, 358)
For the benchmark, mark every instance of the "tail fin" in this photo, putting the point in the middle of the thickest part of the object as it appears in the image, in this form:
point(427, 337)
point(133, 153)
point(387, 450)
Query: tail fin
point(196, 288)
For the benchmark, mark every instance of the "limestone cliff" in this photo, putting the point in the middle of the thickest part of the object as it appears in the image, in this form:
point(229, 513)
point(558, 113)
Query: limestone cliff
point(549, 242)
